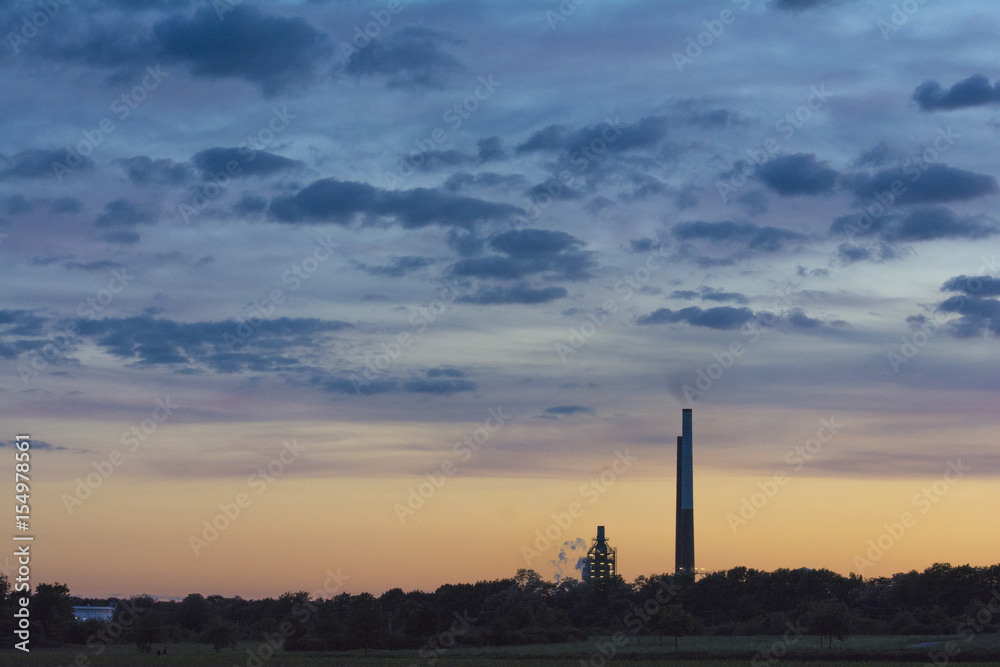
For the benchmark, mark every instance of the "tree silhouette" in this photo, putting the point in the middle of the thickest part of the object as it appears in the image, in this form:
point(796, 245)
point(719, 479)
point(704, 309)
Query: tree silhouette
point(673, 620)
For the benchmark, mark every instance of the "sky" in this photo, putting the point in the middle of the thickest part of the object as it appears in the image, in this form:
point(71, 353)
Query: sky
point(415, 291)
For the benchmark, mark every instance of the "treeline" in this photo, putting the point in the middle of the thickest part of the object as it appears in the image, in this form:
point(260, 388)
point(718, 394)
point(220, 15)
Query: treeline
point(527, 609)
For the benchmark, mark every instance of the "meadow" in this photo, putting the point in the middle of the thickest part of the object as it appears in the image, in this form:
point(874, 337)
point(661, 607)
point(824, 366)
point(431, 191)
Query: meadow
point(698, 651)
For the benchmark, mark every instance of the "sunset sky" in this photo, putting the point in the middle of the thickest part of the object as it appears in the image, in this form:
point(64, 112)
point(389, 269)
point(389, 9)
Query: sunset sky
point(389, 288)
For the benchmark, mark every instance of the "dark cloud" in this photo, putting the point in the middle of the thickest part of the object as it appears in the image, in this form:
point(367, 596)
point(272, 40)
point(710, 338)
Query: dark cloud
point(754, 202)
point(922, 184)
point(721, 317)
point(343, 202)
point(644, 244)
point(433, 382)
point(21, 323)
point(36, 163)
point(484, 179)
point(447, 158)
point(446, 371)
point(876, 253)
point(490, 149)
point(240, 162)
point(569, 410)
point(980, 286)
point(553, 254)
point(145, 171)
point(415, 55)
point(125, 213)
point(595, 139)
point(221, 346)
point(465, 243)
point(925, 223)
point(518, 294)
point(440, 387)
point(876, 156)
point(972, 92)
point(91, 267)
point(798, 174)
point(755, 237)
point(275, 52)
point(802, 321)
point(398, 267)
point(250, 206)
point(709, 294)
point(978, 314)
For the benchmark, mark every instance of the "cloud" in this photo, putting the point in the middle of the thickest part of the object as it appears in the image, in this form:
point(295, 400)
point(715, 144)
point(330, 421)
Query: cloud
point(595, 139)
point(518, 294)
point(876, 253)
point(125, 213)
point(398, 267)
point(978, 314)
point(926, 223)
point(484, 179)
point(413, 56)
point(526, 252)
point(755, 237)
point(937, 183)
point(36, 163)
point(568, 410)
point(709, 294)
point(212, 161)
point(490, 149)
point(35, 444)
point(342, 202)
point(149, 341)
point(91, 267)
point(972, 92)
point(979, 286)
point(722, 317)
point(431, 382)
point(275, 52)
point(798, 174)
point(145, 171)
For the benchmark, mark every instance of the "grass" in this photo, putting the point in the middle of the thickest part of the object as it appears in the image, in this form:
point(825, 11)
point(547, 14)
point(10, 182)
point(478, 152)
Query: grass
point(645, 651)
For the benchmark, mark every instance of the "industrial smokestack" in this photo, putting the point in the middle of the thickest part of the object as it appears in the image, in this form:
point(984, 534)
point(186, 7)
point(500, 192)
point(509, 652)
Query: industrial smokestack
point(684, 530)
point(602, 560)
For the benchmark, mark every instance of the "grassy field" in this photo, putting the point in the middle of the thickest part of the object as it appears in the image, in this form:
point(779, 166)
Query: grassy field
point(646, 651)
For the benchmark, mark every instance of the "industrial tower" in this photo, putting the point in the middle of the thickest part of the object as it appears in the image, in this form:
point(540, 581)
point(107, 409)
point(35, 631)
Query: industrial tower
point(684, 535)
point(601, 562)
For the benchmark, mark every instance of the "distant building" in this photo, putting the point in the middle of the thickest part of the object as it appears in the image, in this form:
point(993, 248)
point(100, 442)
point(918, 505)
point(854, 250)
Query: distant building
point(602, 560)
point(684, 526)
point(99, 613)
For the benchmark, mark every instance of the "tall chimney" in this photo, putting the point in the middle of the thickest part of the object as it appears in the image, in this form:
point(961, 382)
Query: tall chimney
point(684, 530)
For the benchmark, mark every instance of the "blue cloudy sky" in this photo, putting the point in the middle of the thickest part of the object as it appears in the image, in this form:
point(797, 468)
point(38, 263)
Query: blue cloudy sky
point(363, 226)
